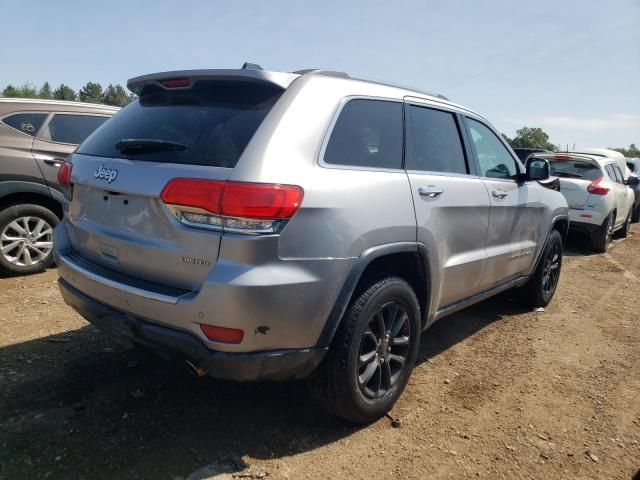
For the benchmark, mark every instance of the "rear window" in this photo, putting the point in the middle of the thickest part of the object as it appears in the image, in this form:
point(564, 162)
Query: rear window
point(214, 119)
point(575, 169)
point(368, 133)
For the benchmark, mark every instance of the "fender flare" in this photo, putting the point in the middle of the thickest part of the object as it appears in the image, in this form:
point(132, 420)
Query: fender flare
point(354, 276)
point(23, 186)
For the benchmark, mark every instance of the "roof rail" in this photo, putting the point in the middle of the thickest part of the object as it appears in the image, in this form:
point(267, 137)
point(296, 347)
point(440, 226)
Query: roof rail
point(318, 71)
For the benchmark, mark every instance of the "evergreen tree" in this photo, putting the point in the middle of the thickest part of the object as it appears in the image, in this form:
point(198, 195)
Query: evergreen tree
point(116, 96)
point(64, 92)
point(27, 90)
point(10, 91)
point(91, 93)
point(45, 91)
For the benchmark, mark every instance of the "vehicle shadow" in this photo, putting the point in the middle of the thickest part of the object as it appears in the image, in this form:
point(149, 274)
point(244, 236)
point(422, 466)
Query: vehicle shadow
point(80, 404)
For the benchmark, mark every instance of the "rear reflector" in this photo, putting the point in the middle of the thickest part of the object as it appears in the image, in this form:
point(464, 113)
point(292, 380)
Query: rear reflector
point(594, 187)
point(222, 334)
point(175, 83)
point(64, 174)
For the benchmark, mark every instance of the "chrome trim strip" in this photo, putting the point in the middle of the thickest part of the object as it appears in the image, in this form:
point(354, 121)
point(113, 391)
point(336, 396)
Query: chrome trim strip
point(160, 297)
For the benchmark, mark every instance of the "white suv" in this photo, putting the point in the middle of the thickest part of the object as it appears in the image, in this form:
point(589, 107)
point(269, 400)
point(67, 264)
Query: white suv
point(600, 202)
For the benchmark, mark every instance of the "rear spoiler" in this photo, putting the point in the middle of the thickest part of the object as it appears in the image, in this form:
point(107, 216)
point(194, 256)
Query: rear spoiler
point(278, 79)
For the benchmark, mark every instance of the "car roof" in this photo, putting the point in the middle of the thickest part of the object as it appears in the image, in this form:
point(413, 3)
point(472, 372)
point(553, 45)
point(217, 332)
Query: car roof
point(37, 103)
point(285, 79)
point(561, 156)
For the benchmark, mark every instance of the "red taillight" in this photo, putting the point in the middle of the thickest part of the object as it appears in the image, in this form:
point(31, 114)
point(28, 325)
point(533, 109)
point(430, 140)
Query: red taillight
point(560, 156)
point(64, 174)
point(222, 334)
point(594, 187)
point(235, 199)
point(175, 83)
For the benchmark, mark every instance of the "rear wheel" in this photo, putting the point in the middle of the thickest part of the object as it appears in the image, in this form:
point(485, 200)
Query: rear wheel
point(601, 238)
point(26, 238)
point(539, 290)
point(625, 229)
point(372, 355)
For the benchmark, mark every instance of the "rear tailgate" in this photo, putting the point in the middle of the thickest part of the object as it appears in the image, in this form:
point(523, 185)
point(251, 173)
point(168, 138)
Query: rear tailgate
point(116, 218)
point(576, 173)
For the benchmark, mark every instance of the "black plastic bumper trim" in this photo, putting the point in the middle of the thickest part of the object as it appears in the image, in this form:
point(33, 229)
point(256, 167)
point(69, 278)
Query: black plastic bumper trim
point(274, 365)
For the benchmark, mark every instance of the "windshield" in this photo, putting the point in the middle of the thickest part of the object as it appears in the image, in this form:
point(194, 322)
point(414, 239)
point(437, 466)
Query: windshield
point(212, 122)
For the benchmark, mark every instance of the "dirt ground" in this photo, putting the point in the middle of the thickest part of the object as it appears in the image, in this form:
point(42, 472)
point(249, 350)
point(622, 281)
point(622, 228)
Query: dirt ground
point(499, 392)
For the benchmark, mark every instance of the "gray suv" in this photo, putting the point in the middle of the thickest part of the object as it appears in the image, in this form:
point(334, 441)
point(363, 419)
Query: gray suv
point(271, 226)
point(36, 136)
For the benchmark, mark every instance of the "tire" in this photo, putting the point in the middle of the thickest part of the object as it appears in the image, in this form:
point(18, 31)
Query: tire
point(625, 229)
point(539, 290)
point(635, 216)
point(359, 380)
point(26, 238)
point(601, 238)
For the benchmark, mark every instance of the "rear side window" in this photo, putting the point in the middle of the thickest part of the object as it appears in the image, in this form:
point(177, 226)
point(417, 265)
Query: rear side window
point(67, 128)
point(368, 133)
point(213, 122)
point(619, 175)
point(611, 172)
point(575, 169)
point(433, 142)
point(28, 123)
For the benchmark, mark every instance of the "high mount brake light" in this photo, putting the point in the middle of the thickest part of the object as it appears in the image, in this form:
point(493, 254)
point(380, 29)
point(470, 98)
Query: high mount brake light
point(175, 83)
point(594, 187)
point(560, 156)
point(233, 206)
point(64, 174)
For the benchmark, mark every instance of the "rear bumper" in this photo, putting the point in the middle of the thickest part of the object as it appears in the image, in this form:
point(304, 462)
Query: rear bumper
point(583, 227)
point(276, 365)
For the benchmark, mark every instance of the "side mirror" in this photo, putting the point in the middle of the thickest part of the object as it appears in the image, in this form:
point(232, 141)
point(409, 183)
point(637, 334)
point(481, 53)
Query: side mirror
point(633, 181)
point(537, 169)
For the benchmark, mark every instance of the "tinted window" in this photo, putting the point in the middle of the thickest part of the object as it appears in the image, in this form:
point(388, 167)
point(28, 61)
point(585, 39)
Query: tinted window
point(494, 158)
point(574, 169)
point(611, 173)
point(433, 142)
point(28, 123)
point(618, 172)
point(64, 128)
point(214, 119)
point(368, 133)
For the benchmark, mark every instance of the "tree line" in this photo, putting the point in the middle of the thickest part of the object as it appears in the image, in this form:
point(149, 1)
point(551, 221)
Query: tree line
point(534, 137)
point(92, 92)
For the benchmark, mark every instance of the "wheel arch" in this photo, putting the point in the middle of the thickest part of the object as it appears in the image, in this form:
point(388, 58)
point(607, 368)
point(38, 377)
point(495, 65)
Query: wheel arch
point(408, 260)
point(32, 195)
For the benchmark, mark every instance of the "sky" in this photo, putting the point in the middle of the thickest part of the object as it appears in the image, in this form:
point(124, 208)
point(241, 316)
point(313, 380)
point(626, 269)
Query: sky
point(569, 67)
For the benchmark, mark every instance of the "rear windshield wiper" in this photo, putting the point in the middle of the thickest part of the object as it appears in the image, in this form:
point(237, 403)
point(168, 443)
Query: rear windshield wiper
point(144, 145)
point(568, 174)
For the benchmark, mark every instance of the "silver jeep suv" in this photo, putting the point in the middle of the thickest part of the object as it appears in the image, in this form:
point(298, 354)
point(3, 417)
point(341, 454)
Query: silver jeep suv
point(267, 225)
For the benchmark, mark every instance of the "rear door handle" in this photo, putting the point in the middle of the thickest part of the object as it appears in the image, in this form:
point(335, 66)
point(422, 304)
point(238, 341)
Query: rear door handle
point(499, 193)
point(54, 162)
point(431, 191)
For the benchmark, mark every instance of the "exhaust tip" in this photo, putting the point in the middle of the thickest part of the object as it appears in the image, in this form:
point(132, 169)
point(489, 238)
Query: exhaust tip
point(194, 370)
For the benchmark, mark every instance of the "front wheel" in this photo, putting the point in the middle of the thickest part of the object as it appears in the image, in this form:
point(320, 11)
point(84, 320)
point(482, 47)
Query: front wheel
point(372, 354)
point(539, 290)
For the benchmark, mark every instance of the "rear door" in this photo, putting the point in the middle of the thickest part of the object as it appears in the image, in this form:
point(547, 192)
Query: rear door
point(515, 221)
point(17, 131)
point(59, 137)
point(116, 218)
point(451, 202)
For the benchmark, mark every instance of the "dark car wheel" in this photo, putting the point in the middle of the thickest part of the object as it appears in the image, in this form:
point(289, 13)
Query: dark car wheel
point(601, 238)
point(372, 355)
point(26, 238)
point(625, 229)
point(539, 290)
